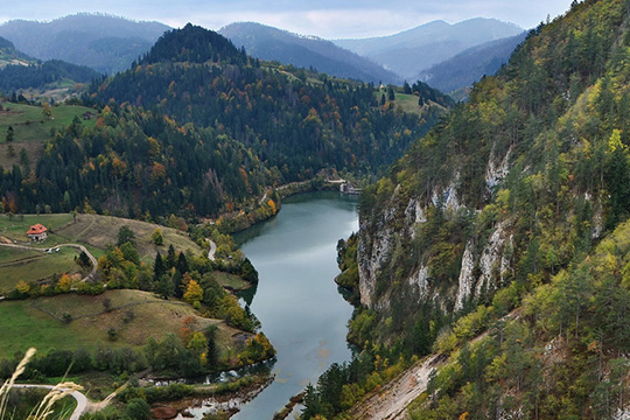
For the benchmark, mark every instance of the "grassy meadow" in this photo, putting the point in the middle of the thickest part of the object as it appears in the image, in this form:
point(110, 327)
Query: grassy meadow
point(135, 316)
point(31, 128)
point(95, 232)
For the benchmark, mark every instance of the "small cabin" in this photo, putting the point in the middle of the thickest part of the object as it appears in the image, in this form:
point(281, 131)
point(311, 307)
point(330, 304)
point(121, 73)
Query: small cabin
point(37, 233)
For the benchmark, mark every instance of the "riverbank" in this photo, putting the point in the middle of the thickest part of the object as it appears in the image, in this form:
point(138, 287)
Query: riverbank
point(295, 255)
point(270, 204)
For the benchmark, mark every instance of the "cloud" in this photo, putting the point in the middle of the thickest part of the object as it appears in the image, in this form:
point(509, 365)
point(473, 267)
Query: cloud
point(323, 23)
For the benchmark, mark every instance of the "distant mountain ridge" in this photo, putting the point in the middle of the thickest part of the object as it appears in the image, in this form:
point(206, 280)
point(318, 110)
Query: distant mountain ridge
point(269, 43)
point(469, 66)
point(105, 43)
point(409, 52)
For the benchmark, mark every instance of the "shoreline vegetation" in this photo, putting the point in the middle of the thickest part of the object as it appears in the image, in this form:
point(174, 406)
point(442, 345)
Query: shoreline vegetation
point(115, 357)
point(269, 205)
point(173, 316)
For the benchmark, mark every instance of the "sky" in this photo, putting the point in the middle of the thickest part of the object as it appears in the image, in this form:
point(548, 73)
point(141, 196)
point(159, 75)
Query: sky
point(324, 18)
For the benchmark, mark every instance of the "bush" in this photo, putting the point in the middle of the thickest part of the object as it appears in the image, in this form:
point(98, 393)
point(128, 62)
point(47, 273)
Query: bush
point(138, 409)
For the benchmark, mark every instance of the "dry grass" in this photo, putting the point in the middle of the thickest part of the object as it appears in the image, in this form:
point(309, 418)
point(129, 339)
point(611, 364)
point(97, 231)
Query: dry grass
point(101, 231)
point(134, 314)
point(47, 406)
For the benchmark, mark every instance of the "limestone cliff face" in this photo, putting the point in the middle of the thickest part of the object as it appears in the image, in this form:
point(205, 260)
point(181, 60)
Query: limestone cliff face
point(487, 262)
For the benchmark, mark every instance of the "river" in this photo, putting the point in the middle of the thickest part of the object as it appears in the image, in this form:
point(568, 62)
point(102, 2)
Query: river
point(296, 300)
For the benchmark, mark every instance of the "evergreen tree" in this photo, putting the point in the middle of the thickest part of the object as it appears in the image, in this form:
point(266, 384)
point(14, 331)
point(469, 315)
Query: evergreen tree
point(391, 95)
point(171, 258)
point(125, 235)
point(10, 134)
point(158, 268)
point(182, 264)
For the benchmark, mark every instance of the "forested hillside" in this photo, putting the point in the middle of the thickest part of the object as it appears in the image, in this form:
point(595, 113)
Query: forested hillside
point(14, 77)
point(104, 43)
point(198, 128)
point(297, 121)
point(467, 67)
point(137, 164)
point(10, 56)
point(268, 43)
point(500, 206)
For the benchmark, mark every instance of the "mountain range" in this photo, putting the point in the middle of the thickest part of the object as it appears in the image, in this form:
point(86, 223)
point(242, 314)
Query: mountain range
point(450, 56)
point(105, 43)
point(269, 43)
point(410, 52)
point(469, 66)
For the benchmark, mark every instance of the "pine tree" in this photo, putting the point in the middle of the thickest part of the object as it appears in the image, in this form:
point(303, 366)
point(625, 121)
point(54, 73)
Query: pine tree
point(391, 95)
point(182, 264)
point(10, 134)
point(158, 268)
point(171, 258)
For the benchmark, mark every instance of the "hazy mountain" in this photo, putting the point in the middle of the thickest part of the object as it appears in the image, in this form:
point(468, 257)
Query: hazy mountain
point(409, 52)
point(270, 43)
point(471, 65)
point(105, 43)
point(10, 56)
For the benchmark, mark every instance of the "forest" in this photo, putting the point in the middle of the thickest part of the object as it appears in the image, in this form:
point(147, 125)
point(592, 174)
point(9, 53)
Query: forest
point(468, 243)
point(36, 76)
point(250, 124)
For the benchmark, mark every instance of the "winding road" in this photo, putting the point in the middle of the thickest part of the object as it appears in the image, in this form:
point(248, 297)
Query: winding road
point(213, 249)
point(81, 248)
point(81, 399)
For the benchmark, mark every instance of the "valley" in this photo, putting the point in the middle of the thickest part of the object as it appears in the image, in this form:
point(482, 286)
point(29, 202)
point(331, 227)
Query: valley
point(252, 223)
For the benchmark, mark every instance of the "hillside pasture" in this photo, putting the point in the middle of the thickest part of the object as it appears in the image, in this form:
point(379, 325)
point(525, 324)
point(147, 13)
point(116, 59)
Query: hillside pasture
point(31, 129)
point(22, 265)
point(135, 315)
point(102, 231)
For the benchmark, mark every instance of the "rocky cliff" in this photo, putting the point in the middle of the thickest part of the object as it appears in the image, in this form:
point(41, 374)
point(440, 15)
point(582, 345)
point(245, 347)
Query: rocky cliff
point(514, 185)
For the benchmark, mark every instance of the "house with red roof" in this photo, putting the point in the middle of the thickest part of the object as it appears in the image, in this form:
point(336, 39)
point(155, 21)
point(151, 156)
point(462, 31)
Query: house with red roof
point(37, 232)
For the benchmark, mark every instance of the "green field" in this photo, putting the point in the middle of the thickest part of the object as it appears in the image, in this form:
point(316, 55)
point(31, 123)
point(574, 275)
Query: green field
point(134, 314)
point(31, 128)
point(102, 231)
point(408, 103)
point(29, 124)
point(230, 281)
point(93, 231)
point(20, 265)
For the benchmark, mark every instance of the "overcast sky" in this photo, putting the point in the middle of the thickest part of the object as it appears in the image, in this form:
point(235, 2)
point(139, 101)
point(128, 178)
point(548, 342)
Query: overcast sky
point(325, 18)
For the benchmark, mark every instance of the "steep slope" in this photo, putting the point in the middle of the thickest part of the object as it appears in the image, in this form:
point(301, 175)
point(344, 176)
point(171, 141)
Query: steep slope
point(268, 43)
point(10, 56)
point(408, 53)
point(105, 43)
point(471, 65)
point(500, 207)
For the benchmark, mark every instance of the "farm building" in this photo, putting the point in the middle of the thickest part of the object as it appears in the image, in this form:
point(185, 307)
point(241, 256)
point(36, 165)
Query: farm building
point(37, 232)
